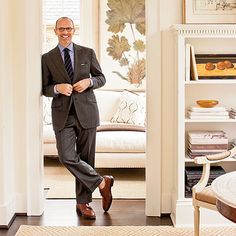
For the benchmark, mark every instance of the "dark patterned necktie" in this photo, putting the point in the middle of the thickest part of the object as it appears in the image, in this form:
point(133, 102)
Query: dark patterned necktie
point(68, 63)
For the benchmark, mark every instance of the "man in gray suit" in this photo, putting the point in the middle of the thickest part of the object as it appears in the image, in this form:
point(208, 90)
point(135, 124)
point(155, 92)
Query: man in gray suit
point(70, 73)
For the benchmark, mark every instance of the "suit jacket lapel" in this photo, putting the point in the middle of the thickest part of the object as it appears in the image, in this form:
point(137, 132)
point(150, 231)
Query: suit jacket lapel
point(57, 60)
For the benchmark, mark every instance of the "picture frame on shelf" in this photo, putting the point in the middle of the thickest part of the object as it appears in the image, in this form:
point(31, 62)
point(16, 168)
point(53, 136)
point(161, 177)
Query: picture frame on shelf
point(216, 66)
point(209, 12)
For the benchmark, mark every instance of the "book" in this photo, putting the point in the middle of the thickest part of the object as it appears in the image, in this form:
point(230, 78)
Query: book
point(187, 62)
point(220, 113)
point(193, 174)
point(206, 150)
point(209, 141)
point(193, 65)
point(191, 171)
point(208, 146)
point(193, 155)
point(209, 117)
point(203, 109)
point(207, 137)
point(207, 133)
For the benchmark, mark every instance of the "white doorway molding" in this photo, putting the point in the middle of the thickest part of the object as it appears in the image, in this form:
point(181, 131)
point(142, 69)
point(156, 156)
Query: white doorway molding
point(20, 119)
point(154, 114)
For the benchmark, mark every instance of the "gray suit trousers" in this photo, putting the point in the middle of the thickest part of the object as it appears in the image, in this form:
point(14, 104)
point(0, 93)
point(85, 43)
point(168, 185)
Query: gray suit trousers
point(76, 149)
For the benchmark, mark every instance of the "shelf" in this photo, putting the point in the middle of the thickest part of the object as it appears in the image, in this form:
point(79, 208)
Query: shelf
point(211, 81)
point(205, 39)
point(211, 121)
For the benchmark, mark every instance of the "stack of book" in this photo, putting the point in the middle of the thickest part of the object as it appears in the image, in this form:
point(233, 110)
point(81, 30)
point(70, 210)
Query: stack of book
point(201, 143)
point(232, 113)
point(194, 173)
point(233, 143)
point(202, 113)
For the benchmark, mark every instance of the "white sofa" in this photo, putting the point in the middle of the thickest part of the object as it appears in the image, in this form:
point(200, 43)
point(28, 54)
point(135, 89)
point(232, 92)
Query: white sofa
point(115, 147)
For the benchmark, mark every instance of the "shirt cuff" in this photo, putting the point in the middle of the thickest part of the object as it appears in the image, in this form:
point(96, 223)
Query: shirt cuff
point(55, 90)
point(91, 83)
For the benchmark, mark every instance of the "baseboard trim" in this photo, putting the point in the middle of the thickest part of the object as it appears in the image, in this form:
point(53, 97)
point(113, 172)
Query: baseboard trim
point(12, 220)
point(183, 216)
point(8, 211)
point(9, 224)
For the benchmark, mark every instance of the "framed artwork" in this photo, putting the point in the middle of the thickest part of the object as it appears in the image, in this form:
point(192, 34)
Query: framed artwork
point(123, 43)
point(209, 11)
point(216, 66)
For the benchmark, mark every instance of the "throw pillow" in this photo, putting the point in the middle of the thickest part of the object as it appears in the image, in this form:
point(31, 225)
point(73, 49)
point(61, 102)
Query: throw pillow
point(131, 109)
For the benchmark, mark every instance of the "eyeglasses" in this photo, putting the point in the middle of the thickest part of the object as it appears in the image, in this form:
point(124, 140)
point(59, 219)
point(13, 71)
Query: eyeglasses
point(68, 29)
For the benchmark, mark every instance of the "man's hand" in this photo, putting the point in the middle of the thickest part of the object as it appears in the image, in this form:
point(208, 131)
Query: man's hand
point(65, 89)
point(81, 85)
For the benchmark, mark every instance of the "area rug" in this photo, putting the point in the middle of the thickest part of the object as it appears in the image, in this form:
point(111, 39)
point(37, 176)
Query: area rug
point(60, 184)
point(121, 231)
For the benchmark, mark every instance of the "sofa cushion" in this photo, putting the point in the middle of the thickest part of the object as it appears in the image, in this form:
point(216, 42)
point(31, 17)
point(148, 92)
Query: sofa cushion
point(120, 141)
point(48, 134)
point(131, 109)
point(109, 141)
point(108, 126)
point(107, 103)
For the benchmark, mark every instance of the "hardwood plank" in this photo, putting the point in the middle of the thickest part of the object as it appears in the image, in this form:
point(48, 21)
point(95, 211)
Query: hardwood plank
point(62, 213)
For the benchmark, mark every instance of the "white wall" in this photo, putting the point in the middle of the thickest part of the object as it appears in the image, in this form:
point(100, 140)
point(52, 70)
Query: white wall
point(7, 200)
point(20, 132)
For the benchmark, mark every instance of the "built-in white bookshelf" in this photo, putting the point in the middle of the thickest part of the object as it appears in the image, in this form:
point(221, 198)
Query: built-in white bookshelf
point(205, 39)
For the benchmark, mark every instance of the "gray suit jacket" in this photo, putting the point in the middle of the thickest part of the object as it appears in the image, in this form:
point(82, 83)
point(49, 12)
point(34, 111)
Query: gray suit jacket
point(53, 72)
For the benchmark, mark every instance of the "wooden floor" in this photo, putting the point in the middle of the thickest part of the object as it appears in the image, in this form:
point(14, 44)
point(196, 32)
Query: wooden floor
point(62, 213)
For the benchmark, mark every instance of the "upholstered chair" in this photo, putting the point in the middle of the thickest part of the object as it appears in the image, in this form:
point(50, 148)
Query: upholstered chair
point(202, 194)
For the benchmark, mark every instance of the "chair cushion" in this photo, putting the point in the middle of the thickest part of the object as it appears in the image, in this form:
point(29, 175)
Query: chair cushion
point(206, 195)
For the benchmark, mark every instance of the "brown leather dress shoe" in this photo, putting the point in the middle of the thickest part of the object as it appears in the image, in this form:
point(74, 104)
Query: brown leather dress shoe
point(86, 211)
point(106, 192)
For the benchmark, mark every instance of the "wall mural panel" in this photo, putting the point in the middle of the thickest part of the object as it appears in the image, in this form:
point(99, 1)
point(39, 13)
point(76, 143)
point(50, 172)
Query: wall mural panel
point(122, 43)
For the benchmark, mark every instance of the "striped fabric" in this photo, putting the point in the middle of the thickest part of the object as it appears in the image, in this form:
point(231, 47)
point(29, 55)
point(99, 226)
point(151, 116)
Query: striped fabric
point(68, 63)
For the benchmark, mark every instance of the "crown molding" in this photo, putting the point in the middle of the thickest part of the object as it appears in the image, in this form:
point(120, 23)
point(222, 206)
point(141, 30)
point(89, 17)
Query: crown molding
point(205, 30)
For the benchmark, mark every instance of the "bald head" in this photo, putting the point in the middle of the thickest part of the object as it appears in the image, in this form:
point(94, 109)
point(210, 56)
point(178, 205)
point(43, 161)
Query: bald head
point(64, 18)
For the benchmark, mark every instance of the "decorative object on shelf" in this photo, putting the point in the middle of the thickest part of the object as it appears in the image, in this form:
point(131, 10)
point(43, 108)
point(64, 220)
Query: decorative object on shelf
point(201, 143)
point(207, 103)
point(194, 173)
point(216, 66)
point(209, 12)
point(207, 113)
